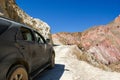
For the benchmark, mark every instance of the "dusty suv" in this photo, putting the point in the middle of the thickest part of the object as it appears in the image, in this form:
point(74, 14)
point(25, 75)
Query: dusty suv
point(23, 51)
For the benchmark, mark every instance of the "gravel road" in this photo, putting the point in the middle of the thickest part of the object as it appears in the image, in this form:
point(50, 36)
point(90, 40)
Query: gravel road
point(69, 68)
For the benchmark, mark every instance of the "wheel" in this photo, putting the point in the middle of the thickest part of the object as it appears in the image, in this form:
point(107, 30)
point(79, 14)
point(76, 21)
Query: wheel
point(18, 73)
point(52, 62)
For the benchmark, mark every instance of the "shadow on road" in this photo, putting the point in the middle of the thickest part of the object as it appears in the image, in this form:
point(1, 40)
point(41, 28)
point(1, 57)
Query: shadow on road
point(53, 74)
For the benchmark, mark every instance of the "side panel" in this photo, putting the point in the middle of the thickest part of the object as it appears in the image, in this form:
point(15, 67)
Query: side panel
point(9, 54)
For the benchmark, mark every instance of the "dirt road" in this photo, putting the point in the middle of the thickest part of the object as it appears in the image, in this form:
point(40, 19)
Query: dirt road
point(69, 68)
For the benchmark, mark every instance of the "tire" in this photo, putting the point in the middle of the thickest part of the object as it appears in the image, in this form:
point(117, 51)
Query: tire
point(18, 73)
point(52, 62)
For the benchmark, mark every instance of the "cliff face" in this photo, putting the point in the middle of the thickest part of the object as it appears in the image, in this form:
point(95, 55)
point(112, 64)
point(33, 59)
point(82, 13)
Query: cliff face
point(9, 9)
point(99, 44)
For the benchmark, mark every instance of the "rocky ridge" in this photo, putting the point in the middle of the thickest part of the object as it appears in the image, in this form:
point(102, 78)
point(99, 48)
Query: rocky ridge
point(9, 9)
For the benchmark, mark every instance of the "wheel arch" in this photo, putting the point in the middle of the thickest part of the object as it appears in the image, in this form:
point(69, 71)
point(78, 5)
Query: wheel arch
point(23, 63)
point(53, 52)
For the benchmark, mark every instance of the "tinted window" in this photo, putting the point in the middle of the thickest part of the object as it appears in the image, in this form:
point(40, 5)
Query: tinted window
point(27, 34)
point(39, 38)
point(3, 26)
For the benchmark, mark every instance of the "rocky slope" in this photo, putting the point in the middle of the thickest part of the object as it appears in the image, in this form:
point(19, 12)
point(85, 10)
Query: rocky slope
point(9, 9)
point(67, 38)
point(101, 43)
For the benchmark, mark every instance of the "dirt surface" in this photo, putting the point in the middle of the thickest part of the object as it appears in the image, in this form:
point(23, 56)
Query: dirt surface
point(68, 67)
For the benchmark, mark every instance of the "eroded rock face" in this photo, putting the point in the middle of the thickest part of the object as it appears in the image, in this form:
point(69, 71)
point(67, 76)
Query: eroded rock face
point(9, 9)
point(103, 42)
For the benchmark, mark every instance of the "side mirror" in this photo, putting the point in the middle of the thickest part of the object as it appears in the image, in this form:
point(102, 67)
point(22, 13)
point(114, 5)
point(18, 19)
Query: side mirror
point(48, 40)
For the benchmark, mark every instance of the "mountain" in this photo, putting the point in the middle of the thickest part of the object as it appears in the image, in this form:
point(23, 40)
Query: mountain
point(100, 43)
point(9, 9)
point(103, 42)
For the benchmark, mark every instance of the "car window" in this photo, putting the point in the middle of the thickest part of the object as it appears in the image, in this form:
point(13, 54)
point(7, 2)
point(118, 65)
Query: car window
point(3, 26)
point(39, 39)
point(26, 34)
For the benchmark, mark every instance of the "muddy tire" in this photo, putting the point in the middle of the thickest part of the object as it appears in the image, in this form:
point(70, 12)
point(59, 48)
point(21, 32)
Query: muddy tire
point(52, 63)
point(18, 73)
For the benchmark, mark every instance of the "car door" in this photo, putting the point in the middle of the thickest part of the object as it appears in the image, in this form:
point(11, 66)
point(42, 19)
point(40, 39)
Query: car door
point(42, 47)
point(27, 46)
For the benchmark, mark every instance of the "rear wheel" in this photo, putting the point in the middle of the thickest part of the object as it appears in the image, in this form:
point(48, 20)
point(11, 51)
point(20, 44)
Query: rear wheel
point(18, 73)
point(52, 63)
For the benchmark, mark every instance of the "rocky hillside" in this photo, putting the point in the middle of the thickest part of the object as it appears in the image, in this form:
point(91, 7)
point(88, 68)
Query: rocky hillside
point(9, 9)
point(67, 38)
point(100, 43)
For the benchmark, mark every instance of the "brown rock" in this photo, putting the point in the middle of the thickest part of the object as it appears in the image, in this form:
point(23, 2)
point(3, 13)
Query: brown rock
point(117, 20)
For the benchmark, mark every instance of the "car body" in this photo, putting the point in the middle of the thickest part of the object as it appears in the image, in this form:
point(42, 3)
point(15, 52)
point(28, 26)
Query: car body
point(23, 47)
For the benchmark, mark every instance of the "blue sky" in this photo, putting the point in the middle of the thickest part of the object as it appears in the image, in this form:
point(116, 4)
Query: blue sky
point(72, 15)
